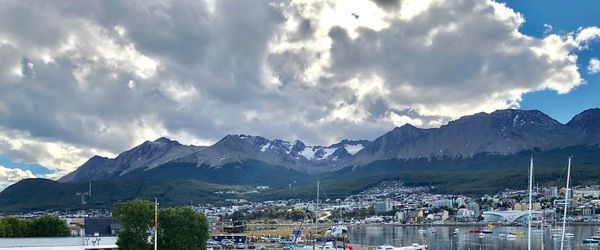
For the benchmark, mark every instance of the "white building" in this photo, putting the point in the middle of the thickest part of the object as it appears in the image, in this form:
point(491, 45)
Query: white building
point(59, 243)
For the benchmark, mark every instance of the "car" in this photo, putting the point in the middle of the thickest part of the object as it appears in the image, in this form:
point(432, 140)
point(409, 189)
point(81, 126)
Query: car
point(240, 246)
point(227, 244)
point(251, 245)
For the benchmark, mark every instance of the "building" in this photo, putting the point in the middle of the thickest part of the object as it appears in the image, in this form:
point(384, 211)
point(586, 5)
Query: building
point(473, 206)
point(509, 217)
point(101, 226)
point(384, 206)
point(400, 216)
point(442, 203)
point(59, 243)
point(586, 192)
point(552, 192)
point(460, 202)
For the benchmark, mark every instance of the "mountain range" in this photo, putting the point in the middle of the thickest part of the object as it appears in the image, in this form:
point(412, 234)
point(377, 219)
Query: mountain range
point(485, 139)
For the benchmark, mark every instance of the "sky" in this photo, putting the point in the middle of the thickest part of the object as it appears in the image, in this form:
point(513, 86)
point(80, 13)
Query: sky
point(84, 78)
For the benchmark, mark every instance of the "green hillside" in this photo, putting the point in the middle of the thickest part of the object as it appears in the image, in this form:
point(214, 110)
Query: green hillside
point(178, 183)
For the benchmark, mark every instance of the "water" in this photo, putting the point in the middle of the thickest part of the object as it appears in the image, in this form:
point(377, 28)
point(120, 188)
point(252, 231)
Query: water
point(375, 235)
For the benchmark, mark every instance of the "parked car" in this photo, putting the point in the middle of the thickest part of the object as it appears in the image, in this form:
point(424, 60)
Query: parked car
point(240, 246)
point(251, 245)
point(227, 244)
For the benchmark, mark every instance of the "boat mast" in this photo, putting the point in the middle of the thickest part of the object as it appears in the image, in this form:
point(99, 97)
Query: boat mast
point(562, 241)
point(530, 197)
point(317, 208)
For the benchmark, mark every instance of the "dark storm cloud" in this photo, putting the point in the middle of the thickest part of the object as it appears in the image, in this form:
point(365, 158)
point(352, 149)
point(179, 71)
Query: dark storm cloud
point(79, 78)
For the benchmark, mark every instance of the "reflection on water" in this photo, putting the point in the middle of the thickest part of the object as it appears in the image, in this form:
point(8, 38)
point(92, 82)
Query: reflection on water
point(443, 237)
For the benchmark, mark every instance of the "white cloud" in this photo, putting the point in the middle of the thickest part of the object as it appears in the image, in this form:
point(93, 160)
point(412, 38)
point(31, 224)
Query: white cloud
point(53, 155)
point(79, 78)
point(9, 176)
point(593, 66)
point(587, 34)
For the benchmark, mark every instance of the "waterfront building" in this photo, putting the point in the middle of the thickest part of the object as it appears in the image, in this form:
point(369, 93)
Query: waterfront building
point(59, 243)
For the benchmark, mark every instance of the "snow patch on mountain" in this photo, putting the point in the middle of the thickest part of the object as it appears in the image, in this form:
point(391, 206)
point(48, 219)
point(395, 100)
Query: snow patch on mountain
point(265, 147)
point(308, 153)
point(353, 149)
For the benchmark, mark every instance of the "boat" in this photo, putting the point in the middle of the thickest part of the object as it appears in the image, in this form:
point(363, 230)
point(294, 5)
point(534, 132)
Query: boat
point(502, 235)
point(486, 231)
point(422, 231)
point(481, 235)
point(339, 229)
point(591, 242)
point(517, 233)
point(569, 235)
point(455, 231)
point(511, 237)
point(328, 246)
point(475, 231)
point(414, 246)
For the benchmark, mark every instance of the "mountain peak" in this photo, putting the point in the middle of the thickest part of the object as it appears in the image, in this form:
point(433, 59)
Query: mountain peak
point(164, 140)
point(590, 114)
point(407, 126)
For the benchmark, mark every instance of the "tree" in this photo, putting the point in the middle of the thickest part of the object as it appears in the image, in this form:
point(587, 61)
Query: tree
point(49, 226)
point(14, 227)
point(4, 229)
point(136, 218)
point(295, 214)
point(182, 228)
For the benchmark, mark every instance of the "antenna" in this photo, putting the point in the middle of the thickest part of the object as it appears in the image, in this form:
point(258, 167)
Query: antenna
point(84, 194)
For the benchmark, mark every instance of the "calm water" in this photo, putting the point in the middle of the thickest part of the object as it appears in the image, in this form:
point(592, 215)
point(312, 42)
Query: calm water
point(443, 239)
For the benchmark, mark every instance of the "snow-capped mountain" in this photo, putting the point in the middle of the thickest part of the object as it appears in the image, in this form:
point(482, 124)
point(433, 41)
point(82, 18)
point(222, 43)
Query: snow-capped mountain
point(232, 148)
point(295, 155)
point(503, 132)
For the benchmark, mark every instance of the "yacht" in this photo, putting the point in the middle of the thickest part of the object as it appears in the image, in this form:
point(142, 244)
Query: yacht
point(339, 229)
point(591, 242)
point(414, 246)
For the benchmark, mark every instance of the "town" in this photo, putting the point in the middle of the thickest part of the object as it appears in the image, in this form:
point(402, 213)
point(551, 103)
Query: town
point(389, 202)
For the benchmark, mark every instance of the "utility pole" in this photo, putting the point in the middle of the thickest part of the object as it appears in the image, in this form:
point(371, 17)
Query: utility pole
point(155, 223)
point(530, 197)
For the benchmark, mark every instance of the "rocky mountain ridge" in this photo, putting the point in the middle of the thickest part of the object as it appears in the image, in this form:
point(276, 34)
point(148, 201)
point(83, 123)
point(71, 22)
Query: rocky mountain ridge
point(502, 132)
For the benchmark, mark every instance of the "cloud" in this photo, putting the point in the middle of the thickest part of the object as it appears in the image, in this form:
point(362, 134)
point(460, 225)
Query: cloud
point(9, 176)
point(593, 66)
point(81, 78)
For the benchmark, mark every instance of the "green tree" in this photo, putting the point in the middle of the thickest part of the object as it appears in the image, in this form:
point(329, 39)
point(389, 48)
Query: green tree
point(14, 227)
point(136, 218)
point(49, 226)
point(4, 229)
point(296, 214)
point(182, 228)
